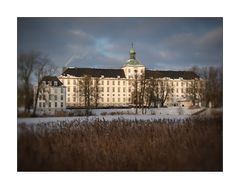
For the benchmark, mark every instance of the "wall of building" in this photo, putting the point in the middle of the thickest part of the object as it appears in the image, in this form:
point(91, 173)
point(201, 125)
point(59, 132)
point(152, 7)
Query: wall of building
point(51, 99)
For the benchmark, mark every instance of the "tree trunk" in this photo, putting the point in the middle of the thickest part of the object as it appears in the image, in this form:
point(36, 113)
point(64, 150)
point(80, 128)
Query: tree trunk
point(35, 101)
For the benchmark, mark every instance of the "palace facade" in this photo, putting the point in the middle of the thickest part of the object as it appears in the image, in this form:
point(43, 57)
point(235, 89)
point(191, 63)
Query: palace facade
point(120, 87)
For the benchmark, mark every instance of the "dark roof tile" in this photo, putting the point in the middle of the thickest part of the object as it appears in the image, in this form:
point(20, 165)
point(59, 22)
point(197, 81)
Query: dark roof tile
point(94, 72)
point(171, 74)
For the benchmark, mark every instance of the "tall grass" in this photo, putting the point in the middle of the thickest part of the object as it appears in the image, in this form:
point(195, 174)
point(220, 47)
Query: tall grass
point(122, 145)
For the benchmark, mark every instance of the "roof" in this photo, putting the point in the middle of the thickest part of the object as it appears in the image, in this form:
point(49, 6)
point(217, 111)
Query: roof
point(50, 80)
point(94, 72)
point(171, 74)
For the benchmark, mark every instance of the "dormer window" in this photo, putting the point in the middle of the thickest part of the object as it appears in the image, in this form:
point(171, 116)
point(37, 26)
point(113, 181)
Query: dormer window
point(55, 83)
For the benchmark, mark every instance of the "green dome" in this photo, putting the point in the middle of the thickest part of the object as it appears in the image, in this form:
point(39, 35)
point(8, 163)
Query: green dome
point(133, 62)
point(132, 50)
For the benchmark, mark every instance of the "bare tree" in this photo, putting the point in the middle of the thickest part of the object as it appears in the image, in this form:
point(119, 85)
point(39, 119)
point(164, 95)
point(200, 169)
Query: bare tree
point(193, 91)
point(25, 64)
point(135, 92)
point(165, 90)
point(96, 92)
point(211, 89)
point(86, 91)
point(151, 92)
point(43, 67)
point(142, 99)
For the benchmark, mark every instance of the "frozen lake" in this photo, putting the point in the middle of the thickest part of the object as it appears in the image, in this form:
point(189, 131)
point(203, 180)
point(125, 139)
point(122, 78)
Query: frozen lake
point(152, 114)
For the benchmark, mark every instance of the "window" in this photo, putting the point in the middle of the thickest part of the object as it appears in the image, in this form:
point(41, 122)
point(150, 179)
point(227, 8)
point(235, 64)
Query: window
point(129, 89)
point(181, 83)
point(107, 99)
point(68, 99)
point(182, 90)
point(74, 82)
point(61, 104)
point(68, 89)
point(107, 94)
point(68, 82)
point(113, 82)
point(107, 82)
point(50, 97)
point(49, 104)
point(102, 89)
point(102, 82)
point(177, 84)
point(107, 89)
point(124, 89)
point(123, 99)
point(61, 97)
point(74, 99)
point(123, 82)
point(55, 83)
point(113, 94)
point(113, 100)
point(40, 97)
point(40, 104)
point(118, 99)
point(113, 89)
point(55, 104)
point(61, 90)
point(118, 82)
point(44, 98)
point(55, 97)
point(74, 88)
point(55, 90)
point(44, 104)
point(102, 94)
point(176, 90)
point(119, 89)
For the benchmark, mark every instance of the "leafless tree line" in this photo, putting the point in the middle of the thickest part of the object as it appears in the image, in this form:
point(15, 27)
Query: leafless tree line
point(32, 67)
point(89, 92)
point(149, 92)
point(211, 94)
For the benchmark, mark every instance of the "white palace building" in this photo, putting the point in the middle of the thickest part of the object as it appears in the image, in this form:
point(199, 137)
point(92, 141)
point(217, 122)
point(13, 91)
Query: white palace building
point(115, 87)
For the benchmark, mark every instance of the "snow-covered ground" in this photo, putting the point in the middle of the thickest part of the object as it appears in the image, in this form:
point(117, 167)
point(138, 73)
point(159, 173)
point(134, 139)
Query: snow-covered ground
point(152, 114)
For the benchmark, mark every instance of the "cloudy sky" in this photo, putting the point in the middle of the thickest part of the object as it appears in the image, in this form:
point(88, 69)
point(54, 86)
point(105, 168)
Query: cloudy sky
point(160, 43)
